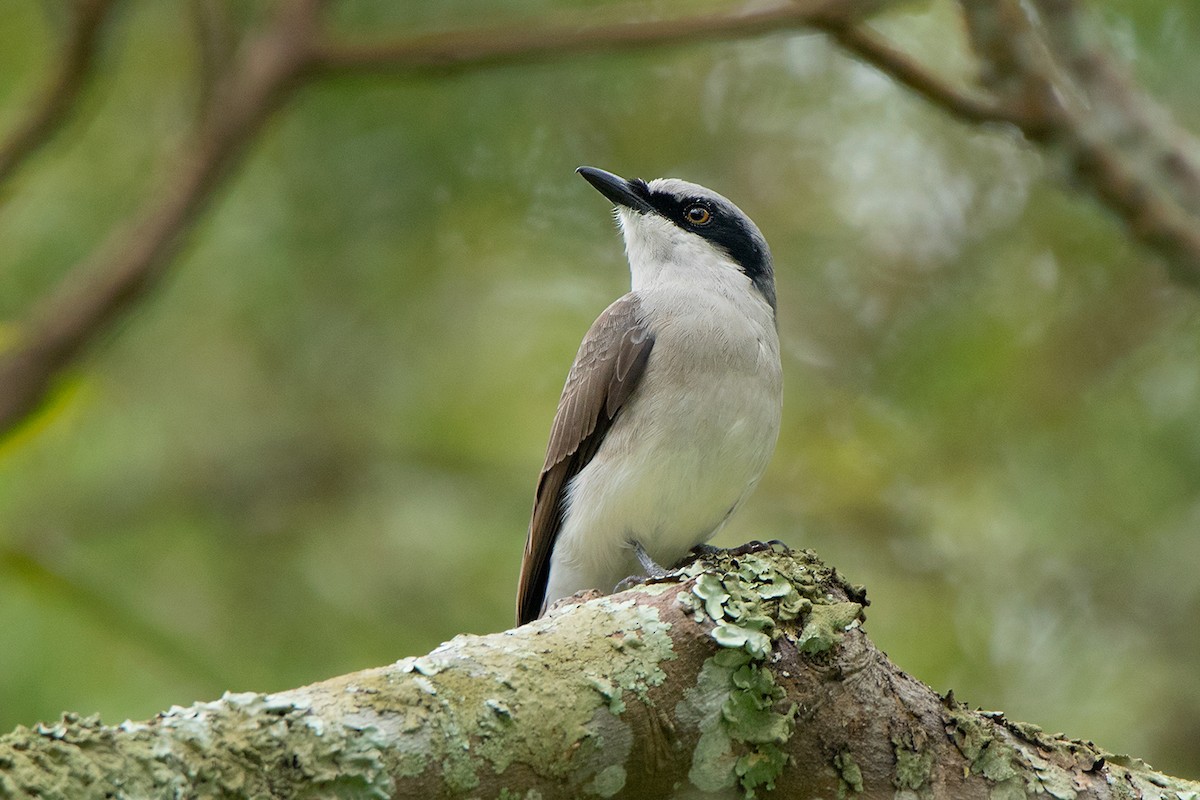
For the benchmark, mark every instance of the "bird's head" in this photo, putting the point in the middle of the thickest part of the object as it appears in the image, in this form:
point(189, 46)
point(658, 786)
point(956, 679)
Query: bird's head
point(678, 230)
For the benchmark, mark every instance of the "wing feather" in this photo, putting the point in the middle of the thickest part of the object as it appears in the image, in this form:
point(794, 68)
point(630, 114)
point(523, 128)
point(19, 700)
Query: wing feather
point(607, 370)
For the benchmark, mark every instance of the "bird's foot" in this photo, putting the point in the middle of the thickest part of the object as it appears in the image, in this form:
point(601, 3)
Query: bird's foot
point(654, 571)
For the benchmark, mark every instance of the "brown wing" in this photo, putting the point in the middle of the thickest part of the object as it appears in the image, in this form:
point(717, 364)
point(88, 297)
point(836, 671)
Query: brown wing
point(607, 369)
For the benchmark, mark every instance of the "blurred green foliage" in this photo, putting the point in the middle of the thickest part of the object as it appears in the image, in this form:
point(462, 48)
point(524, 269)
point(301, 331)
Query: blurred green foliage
point(313, 449)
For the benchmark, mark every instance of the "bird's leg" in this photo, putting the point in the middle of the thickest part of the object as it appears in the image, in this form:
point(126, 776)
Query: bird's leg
point(653, 571)
point(651, 567)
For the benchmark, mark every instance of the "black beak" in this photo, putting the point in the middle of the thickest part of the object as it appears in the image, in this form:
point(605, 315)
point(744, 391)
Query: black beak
point(634, 194)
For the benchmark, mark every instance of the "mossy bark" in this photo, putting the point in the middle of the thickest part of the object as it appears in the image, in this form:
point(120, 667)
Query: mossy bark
point(742, 676)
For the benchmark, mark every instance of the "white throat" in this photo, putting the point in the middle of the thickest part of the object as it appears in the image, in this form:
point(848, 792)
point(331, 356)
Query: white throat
point(661, 255)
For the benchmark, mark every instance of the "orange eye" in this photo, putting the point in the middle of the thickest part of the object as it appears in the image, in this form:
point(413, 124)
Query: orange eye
point(698, 215)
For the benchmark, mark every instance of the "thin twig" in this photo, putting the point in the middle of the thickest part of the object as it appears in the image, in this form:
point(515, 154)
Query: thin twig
point(881, 54)
point(99, 290)
point(74, 60)
point(1164, 151)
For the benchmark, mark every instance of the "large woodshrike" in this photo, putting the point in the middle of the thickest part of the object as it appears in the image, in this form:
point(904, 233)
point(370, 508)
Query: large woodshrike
point(671, 410)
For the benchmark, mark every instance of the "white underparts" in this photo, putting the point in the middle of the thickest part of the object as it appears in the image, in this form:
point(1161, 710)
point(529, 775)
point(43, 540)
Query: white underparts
point(696, 435)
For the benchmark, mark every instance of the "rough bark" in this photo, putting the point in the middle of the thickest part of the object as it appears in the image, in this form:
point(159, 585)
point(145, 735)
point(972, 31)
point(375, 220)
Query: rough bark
point(741, 676)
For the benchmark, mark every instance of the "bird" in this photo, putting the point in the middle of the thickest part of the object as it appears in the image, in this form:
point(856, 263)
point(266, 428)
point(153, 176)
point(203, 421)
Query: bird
point(671, 409)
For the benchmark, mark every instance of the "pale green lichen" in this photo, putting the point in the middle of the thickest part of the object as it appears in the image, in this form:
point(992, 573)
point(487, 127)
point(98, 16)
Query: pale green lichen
point(518, 794)
point(760, 767)
point(610, 693)
point(713, 760)
point(996, 761)
point(711, 589)
point(565, 699)
point(970, 735)
point(913, 761)
point(608, 781)
point(475, 706)
point(1054, 780)
point(198, 750)
point(850, 777)
point(745, 597)
point(825, 625)
point(754, 642)
point(1016, 771)
point(1013, 789)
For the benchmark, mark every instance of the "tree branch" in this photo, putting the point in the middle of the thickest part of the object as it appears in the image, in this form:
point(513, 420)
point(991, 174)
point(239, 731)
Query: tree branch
point(216, 44)
point(743, 675)
point(1143, 169)
point(98, 290)
point(74, 61)
point(879, 53)
point(467, 50)
point(1114, 138)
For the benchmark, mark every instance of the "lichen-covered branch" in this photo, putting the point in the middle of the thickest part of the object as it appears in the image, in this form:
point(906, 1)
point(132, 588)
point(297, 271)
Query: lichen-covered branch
point(741, 676)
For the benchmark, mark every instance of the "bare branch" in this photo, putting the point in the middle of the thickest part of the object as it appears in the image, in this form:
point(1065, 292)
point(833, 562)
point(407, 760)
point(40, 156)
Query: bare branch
point(1122, 113)
point(463, 50)
point(74, 61)
point(1115, 139)
point(1022, 72)
point(879, 53)
point(98, 290)
point(1156, 190)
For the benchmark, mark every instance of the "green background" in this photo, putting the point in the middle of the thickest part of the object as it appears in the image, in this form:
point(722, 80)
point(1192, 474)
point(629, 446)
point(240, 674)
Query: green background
point(313, 449)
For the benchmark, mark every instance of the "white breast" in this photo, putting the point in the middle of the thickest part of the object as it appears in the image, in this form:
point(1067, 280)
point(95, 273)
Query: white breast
point(691, 442)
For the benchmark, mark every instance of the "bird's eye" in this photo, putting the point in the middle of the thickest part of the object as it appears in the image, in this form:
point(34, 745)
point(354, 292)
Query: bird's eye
point(698, 215)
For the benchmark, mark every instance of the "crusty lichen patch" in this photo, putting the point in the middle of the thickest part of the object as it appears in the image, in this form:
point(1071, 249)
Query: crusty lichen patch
point(914, 761)
point(850, 779)
point(1015, 769)
point(488, 706)
point(175, 755)
point(736, 703)
point(452, 722)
